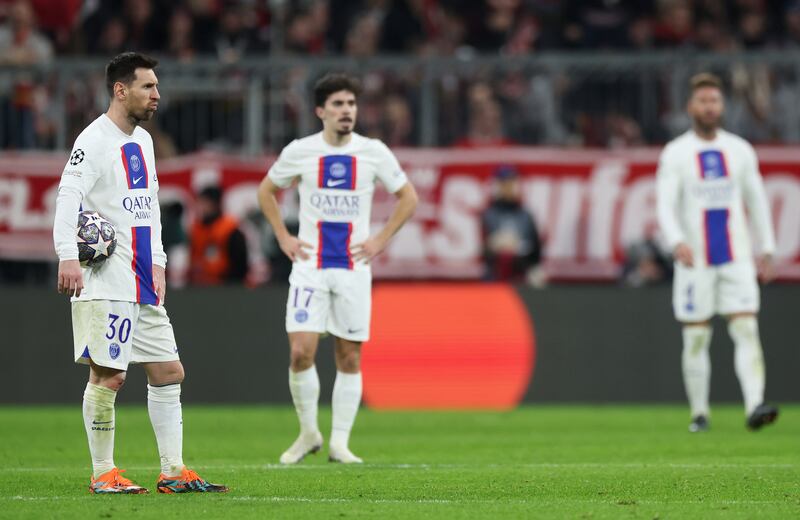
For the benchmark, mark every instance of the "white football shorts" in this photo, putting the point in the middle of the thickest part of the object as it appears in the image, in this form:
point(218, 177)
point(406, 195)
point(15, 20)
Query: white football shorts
point(699, 293)
point(115, 334)
point(337, 301)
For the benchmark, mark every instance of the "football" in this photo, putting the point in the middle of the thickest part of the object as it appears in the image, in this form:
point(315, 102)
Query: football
point(97, 239)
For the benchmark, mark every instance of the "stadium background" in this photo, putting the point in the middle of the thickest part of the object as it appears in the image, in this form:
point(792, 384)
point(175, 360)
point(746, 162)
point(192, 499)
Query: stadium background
point(578, 96)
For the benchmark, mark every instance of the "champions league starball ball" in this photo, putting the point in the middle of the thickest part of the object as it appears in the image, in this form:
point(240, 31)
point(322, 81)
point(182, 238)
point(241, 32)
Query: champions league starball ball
point(97, 239)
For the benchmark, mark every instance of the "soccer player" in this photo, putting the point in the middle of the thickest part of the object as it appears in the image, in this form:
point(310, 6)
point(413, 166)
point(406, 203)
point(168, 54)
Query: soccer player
point(330, 284)
point(706, 177)
point(118, 314)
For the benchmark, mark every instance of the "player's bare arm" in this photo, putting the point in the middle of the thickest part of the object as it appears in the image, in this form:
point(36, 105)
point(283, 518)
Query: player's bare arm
point(70, 277)
point(403, 210)
point(291, 246)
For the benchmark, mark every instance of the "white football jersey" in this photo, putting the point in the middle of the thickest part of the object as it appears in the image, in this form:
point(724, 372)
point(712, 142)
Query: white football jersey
point(336, 184)
point(115, 174)
point(703, 187)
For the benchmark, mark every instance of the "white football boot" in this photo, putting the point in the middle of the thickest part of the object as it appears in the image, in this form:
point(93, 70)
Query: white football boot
point(342, 454)
point(305, 444)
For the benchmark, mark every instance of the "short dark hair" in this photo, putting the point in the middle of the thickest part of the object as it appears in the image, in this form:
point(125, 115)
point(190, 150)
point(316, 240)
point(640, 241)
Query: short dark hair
point(211, 193)
point(704, 79)
point(122, 68)
point(334, 82)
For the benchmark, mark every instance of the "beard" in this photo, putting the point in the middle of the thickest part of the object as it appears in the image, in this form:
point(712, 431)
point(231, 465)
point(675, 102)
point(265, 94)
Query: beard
point(707, 124)
point(138, 116)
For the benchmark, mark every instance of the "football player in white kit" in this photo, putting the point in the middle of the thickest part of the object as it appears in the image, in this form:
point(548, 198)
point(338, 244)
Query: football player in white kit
point(330, 284)
point(118, 316)
point(706, 179)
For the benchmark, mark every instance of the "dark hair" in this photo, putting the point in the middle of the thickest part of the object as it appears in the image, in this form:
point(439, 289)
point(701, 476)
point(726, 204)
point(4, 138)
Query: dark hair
point(122, 68)
point(334, 82)
point(211, 193)
point(704, 79)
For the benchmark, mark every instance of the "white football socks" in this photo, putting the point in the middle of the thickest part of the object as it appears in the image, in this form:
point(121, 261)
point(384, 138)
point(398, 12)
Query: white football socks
point(748, 359)
point(304, 386)
point(164, 405)
point(697, 367)
point(98, 418)
point(346, 398)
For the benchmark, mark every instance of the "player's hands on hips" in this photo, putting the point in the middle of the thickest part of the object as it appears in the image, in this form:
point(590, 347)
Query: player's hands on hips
point(294, 248)
point(683, 254)
point(160, 282)
point(366, 251)
point(70, 277)
point(766, 269)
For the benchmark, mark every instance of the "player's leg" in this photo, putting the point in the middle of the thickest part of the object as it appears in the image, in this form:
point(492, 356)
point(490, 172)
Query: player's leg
point(102, 339)
point(740, 303)
point(346, 399)
point(306, 312)
point(304, 387)
point(693, 306)
point(304, 380)
point(351, 306)
point(155, 348)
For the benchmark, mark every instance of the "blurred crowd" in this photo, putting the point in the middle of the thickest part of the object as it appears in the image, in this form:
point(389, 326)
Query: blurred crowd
point(475, 106)
point(234, 28)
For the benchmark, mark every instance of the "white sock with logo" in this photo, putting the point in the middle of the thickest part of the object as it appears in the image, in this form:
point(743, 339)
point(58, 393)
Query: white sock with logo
point(697, 367)
point(98, 419)
point(749, 360)
point(346, 398)
point(166, 416)
point(304, 386)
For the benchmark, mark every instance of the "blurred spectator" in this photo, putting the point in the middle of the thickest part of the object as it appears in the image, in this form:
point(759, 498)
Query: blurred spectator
point(218, 247)
point(398, 122)
point(21, 44)
point(494, 24)
point(645, 264)
point(307, 28)
point(235, 38)
point(363, 37)
point(114, 38)
point(180, 42)
point(402, 28)
point(485, 126)
point(146, 28)
point(675, 26)
point(600, 24)
point(511, 246)
point(176, 243)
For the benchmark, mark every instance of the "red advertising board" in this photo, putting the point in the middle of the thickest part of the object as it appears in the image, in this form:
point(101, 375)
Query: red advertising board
point(588, 204)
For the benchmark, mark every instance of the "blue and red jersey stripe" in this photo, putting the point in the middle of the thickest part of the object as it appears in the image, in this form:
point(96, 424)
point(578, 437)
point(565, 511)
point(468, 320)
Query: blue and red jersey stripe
point(142, 265)
point(712, 164)
point(334, 245)
point(337, 172)
point(718, 239)
point(135, 166)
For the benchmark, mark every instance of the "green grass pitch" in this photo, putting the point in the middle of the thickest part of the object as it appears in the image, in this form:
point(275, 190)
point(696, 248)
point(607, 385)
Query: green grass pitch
point(535, 462)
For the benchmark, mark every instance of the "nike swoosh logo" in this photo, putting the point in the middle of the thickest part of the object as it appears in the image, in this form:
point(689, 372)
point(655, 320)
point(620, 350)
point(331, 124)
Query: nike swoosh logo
point(104, 422)
point(352, 331)
point(137, 179)
point(332, 183)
